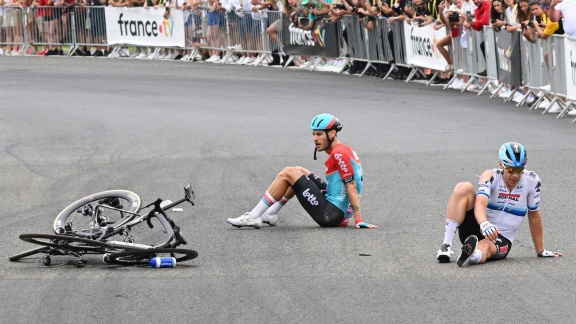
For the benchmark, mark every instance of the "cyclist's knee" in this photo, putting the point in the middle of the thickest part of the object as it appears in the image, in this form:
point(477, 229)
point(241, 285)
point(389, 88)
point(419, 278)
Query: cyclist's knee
point(463, 189)
point(290, 172)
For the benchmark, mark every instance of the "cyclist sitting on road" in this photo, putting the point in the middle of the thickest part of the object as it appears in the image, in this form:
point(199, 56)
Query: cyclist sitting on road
point(327, 202)
point(503, 198)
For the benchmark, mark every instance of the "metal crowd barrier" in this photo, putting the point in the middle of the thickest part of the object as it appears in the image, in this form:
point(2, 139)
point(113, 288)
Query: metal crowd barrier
point(245, 32)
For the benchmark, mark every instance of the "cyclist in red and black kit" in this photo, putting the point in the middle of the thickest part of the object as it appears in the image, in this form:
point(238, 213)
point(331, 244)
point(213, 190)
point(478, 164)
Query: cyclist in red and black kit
point(330, 203)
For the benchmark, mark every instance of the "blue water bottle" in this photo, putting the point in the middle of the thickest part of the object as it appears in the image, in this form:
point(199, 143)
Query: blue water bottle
point(163, 262)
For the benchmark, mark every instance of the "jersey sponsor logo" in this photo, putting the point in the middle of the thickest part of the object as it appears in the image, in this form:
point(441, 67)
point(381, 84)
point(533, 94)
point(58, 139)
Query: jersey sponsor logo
point(355, 155)
point(311, 198)
point(508, 196)
point(341, 162)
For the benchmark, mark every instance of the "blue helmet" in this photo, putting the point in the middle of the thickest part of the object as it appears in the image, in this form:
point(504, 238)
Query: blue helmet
point(326, 122)
point(513, 154)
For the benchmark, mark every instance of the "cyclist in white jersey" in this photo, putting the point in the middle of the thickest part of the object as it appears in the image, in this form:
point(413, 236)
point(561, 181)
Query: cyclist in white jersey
point(495, 211)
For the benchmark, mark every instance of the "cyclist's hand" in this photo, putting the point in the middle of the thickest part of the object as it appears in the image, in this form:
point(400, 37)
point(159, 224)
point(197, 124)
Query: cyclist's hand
point(549, 254)
point(362, 224)
point(489, 230)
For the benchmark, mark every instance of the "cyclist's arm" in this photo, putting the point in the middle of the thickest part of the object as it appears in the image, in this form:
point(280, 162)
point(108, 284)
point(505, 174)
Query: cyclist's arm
point(352, 192)
point(483, 196)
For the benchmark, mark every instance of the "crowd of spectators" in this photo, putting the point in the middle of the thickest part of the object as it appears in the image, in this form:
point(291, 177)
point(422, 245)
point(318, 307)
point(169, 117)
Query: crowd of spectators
point(49, 25)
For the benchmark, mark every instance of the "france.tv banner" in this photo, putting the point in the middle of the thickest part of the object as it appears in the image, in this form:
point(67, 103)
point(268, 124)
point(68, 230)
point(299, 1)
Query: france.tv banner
point(421, 47)
point(144, 27)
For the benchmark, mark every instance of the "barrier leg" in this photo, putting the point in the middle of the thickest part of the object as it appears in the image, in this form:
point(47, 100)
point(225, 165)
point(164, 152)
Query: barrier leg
point(565, 110)
point(393, 69)
point(368, 65)
point(433, 78)
point(290, 59)
point(550, 105)
point(511, 95)
point(486, 87)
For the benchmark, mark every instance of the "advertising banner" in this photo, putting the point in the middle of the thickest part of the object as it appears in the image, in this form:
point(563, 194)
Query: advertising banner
point(321, 40)
point(508, 57)
point(144, 27)
point(421, 47)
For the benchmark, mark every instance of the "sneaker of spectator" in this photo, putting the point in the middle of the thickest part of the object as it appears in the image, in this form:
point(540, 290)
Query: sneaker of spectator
point(169, 56)
point(555, 109)
point(249, 60)
point(457, 84)
point(1, 51)
point(184, 58)
point(505, 94)
point(544, 104)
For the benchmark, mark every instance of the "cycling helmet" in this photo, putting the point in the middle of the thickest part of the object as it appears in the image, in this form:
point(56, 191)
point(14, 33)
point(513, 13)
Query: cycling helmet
point(513, 154)
point(326, 122)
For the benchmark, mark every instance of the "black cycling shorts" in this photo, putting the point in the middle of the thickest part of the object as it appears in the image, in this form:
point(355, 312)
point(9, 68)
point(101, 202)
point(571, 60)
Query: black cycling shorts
point(309, 193)
point(470, 227)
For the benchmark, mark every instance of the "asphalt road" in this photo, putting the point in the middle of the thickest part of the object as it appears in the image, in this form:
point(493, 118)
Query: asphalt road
point(72, 127)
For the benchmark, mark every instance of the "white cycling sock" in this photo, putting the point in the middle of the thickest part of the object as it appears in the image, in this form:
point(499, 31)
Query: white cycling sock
point(274, 209)
point(265, 203)
point(450, 228)
point(476, 256)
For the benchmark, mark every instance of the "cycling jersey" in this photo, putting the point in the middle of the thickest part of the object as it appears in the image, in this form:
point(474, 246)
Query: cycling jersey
point(342, 166)
point(506, 210)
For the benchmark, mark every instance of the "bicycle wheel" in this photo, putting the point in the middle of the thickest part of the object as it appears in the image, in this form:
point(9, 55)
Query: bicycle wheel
point(28, 253)
point(67, 243)
point(140, 257)
point(86, 216)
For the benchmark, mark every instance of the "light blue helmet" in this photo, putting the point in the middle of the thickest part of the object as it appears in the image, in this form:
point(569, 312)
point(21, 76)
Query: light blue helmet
point(325, 122)
point(513, 154)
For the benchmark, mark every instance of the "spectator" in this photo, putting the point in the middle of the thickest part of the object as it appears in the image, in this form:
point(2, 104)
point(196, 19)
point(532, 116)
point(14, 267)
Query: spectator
point(452, 20)
point(541, 26)
point(83, 34)
point(12, 24)
point(510, 12)
point(98, 27)
point(565, 9)
point(420, 14)
point(481, 18)
point(498, 14)
point(56, 26)
point(187, 6)
point(244, 41)
point(215, 20)
point(523, 16)
point(66, 6)
point(276, 27)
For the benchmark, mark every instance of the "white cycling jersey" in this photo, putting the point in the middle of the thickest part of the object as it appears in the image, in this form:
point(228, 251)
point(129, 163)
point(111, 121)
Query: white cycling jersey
point(506, 210)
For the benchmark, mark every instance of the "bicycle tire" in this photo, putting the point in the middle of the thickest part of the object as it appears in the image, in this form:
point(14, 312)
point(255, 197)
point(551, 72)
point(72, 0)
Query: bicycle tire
point(141, 257)
point(67, 243)
point(24, 254)
point(85, 206)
